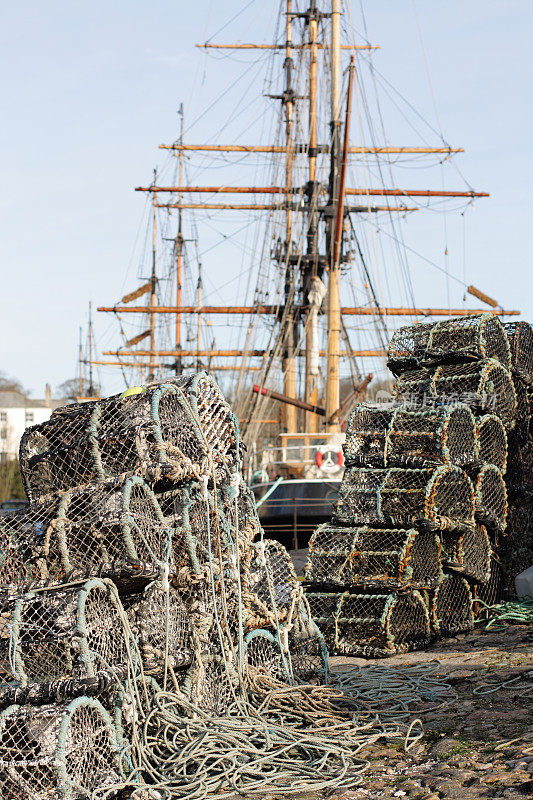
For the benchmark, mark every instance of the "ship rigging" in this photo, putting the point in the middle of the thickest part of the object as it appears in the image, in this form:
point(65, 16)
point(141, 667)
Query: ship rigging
point(295, 367)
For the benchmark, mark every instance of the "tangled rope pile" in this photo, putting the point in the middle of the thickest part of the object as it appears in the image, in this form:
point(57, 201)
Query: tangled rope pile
point(281, 739)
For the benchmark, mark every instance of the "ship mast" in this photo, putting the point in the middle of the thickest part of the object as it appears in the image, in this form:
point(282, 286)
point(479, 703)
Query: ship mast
point(334, 305)
point(289, 361)
point(153, 287)
point(179, 255)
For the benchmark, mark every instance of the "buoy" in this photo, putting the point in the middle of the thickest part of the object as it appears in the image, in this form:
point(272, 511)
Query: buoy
point(329, 459)
point(133, 390)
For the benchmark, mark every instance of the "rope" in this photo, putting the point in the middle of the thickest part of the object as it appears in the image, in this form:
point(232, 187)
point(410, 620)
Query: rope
point(514, 612)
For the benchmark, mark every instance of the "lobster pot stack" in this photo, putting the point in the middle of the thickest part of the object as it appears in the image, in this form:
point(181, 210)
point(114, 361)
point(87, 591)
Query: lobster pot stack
point(135, 559)
point(516, 547)
point(91, 575)
point(423, 503)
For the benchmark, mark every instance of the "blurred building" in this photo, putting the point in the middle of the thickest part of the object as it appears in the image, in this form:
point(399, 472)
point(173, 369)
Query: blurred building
point(18, 412)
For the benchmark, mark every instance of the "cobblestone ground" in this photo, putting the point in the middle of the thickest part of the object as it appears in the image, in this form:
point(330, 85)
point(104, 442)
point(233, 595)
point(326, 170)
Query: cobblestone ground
point(480, 743)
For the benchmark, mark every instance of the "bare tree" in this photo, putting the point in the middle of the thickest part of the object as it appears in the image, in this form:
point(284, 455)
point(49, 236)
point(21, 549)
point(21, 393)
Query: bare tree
point(71, 389)
point(8, 384)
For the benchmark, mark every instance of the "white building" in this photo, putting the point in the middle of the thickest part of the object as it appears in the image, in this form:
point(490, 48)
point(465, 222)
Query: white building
point(18, 412)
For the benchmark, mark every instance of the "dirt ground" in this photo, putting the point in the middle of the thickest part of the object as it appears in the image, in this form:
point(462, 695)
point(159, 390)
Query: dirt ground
point(479, 744)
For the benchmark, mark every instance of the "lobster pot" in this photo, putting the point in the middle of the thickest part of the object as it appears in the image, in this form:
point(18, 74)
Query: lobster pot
point(212, 684)
point(485, 386)
point(408, 346)
point(468, 338)
point(218, 423)
point(523, 407)
point(491, 441)
point(202, 533)
point(437, 498)
point(115, 529)
point(410, 437)
point(239, 515)
point(22, 537)
point(451, 607)
point(441, 435)
point(490, 496)
point(519, 475)
point(65, 751)
point(328, 560)
point(103, 529)
point(271, 587)
point(517, 550)
point(520, 337)
point(307, 647)
point(366, 434)
point(519, 523)
point(161, 625)
point(468, 553)
point(374, 557)
point(61, 633)
point(492, 591)
point(376, 625)
point(262, 653)
point(163, 433)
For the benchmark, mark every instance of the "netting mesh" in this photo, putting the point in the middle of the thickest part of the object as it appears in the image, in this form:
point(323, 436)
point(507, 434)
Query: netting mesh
point(451, 607)
point(272, 587)
point(492, 591)
point(391, 558)
point(62, 633)
point(21, 543)
point(307, 646)
point(433, 498)
point(477, 552)
point(399, 436)
point(452, 340)
point(100, 530)
point(519, 474)
point(490, 496)
point(407, 347)
point(208, 527)
point(372, 625)
point(444, 435)
point(57, 751)
point(161, 625)
point(523, 407)
point(520, 337)
point(491, 441)
point(165, 432)
point(485, 386)
point(516, 549)
point(366, 433)
point(263, 653)
point(214, 684)
point(468, 553)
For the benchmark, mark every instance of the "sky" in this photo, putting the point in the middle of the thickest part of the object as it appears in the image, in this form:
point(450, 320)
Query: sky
point(90, 90)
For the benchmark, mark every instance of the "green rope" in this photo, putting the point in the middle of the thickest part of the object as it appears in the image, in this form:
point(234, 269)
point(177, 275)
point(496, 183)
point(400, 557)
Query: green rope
point(514, 612)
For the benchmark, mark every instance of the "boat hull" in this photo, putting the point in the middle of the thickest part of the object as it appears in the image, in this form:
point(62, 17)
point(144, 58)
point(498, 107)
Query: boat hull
point(295, 508)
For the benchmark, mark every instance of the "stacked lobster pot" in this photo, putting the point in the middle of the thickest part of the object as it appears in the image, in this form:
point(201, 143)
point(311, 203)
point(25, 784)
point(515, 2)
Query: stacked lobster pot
point(135, 561)
point(423, 502)
point(516, 548)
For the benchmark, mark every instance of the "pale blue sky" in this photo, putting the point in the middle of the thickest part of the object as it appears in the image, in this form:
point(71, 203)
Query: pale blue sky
point(90, 90)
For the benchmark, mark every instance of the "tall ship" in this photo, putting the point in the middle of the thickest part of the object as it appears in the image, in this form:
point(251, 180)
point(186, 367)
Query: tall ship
point(281, 253)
